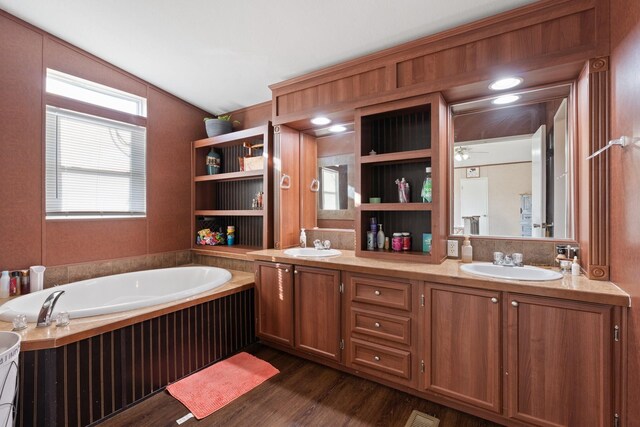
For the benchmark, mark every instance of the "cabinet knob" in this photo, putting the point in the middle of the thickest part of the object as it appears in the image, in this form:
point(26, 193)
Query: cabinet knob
point(378, 293)
point(494, 300)
point(376, 358)
point(514, 303)
point(377, 324)
point(286, 270)
point(295, 271)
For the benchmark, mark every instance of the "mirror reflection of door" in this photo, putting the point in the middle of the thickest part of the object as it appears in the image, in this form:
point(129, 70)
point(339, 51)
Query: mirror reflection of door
point(329, 188)
point(524, 149)
point(474, 205)
point(538, 173)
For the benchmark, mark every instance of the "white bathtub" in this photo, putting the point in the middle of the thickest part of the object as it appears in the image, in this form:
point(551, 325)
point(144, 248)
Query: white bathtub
point(120, 292)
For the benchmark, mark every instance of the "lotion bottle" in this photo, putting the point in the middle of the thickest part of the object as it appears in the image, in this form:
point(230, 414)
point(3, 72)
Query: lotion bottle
point(467, 250)
point(575, 267)
point(380, 237)
point(4, 285)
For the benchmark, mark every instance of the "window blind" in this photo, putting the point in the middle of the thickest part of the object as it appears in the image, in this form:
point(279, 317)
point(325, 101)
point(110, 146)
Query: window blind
point(95, 167)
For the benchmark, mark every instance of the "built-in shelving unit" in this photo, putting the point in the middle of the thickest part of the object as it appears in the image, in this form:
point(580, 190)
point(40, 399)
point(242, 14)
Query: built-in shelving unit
point(399, 140)
point(226, 198)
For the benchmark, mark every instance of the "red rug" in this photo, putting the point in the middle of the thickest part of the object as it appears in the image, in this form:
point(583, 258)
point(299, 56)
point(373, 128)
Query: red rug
point(212, 388)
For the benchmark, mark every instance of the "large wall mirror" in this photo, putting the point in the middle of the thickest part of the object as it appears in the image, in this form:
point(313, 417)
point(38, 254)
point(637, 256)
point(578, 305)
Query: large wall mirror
point(512, 165)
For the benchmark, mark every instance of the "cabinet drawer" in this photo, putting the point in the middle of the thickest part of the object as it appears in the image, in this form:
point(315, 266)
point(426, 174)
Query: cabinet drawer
point(381, 325)
point(381, 292)
point(381, 358)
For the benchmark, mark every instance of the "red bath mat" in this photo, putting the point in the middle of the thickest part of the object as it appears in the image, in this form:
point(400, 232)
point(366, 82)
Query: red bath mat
point(212, 388)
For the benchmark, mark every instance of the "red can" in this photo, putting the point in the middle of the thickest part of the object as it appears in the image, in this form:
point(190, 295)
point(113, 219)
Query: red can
point(406, 241)
point(396, 242)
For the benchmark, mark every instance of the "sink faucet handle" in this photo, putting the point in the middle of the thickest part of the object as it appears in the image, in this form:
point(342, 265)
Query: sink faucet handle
point(317, 244)
point(498, 258)
point(518, 259)
point(326, 244)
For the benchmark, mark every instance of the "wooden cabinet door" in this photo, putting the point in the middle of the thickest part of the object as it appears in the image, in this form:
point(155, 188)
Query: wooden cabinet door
point(274, 302)
point(462, 345)
point(559, 362)
point(317, 296)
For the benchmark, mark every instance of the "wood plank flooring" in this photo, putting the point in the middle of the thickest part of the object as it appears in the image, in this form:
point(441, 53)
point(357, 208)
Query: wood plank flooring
point(303, 394)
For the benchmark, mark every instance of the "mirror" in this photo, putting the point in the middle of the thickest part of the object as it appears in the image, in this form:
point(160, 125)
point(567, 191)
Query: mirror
point(512, 165)
point(336, 190)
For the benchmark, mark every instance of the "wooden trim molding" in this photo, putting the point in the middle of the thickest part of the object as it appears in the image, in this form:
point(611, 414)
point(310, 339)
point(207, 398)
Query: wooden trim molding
point(598, 262)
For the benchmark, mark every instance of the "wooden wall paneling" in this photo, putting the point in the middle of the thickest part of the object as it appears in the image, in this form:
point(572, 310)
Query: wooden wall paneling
point(545, 34)
point(253, 116)
point(624, 167)
point(308, 172)
point(171, 127)
point(593, 183)
point(287, 201)
point(21, 149)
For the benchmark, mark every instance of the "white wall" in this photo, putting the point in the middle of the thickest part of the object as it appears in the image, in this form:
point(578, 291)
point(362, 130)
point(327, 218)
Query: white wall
point(506, 183)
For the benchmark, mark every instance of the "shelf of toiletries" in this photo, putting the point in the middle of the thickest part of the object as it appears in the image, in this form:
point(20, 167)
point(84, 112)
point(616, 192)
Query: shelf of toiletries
point(402, 178)
point(232, 175)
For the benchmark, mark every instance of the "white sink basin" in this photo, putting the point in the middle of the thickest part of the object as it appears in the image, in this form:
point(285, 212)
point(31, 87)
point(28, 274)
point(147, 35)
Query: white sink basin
point(312, 252)
point(530, 273)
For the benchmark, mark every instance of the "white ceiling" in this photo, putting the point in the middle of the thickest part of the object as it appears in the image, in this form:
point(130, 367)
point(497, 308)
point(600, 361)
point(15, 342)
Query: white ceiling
point(221, 56)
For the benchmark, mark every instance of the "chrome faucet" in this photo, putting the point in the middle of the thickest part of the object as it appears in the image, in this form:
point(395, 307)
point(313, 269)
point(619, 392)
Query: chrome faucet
point(513, 260)
point(320, 245)
point(44, 318)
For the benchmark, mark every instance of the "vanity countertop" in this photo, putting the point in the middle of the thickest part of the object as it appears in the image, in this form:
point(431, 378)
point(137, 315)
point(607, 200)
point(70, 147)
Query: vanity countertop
point(50, 337)
point(577, 288)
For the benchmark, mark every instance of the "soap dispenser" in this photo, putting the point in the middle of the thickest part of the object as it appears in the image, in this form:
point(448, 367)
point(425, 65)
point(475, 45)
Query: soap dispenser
point(467, 250)
point(4, 285)
point(303, 239)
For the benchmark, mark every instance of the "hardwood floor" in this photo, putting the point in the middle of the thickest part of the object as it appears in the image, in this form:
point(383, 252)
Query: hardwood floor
point(303, 394)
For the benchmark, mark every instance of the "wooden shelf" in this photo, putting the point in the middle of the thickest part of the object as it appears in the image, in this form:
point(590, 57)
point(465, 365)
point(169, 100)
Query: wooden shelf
point(398, 157)
point(395, 207)
point(232, 176)
point(231, 138)
point(222, 249)
point(248, 212)
point(404, 256)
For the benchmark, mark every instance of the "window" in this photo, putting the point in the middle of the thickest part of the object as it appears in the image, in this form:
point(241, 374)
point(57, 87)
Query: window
point(95, 166)
point(330, 185)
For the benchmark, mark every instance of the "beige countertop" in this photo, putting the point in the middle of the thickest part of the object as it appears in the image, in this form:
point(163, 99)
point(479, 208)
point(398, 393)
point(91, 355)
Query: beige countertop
point(40, 338)
point(577, 288)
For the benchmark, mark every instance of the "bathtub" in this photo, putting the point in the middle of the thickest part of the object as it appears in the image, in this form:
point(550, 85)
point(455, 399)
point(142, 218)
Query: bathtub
point(120, 292)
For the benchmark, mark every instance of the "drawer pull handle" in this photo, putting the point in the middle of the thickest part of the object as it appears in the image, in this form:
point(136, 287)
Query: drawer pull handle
point(376, 358)
point(494, 300)
point(378, 293)
point(514, 303)
point(377, 324)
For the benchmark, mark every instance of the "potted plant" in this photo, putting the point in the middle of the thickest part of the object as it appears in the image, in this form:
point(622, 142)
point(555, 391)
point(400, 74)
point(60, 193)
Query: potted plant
point(220, 125)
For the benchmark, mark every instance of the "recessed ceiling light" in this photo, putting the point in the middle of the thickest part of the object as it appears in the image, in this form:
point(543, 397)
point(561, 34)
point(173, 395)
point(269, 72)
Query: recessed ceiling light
point(506, 83)
point(337, 128)
point(506, 99)
point(320, 121)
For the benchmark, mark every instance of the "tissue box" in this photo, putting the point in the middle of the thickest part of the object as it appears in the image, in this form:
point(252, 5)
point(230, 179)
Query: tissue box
point(251, 163)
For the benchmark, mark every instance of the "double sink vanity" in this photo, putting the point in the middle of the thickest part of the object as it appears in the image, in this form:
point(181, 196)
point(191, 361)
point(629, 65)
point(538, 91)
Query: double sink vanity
point(512, 351)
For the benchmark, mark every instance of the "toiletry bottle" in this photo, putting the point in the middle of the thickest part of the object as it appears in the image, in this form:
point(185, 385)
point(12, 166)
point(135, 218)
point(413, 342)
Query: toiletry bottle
point(575, 267)
point(4, 285)
point(386, 244)
point(303, 239)
point(467, 250)
point(380, 237)
point(427, 188)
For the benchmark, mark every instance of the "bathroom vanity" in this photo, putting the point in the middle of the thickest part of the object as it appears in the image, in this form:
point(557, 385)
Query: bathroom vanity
point(518, 353)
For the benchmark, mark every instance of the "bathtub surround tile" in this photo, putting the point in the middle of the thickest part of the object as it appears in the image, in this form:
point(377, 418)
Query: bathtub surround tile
point(90, 270)
point(184, 257)
point(127, 265)
point(54, 276)
point(226, 263)
point(161, 260)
